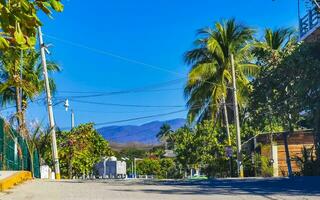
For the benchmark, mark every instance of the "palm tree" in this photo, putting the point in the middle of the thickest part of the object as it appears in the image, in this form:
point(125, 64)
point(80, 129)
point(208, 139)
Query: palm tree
point(11, 83)
point(165, 131)
point(36, 142)
point(33, 72)
point(22, 85)
point(269, 52)
point(209, 80)
point(274, 43)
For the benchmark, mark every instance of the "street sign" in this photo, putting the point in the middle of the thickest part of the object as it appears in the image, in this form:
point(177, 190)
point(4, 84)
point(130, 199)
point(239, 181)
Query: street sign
point(229, 151)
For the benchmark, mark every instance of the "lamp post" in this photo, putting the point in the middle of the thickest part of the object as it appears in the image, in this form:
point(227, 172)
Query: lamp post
point(135, 166)
point(66, 105)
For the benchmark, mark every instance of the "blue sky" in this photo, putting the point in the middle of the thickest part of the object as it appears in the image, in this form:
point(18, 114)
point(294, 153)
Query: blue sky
point(151, 32)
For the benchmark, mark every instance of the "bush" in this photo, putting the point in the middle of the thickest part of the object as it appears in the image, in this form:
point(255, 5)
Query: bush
point(266, 167)
point(257, 166)
point(307, 163)
point(148, 166)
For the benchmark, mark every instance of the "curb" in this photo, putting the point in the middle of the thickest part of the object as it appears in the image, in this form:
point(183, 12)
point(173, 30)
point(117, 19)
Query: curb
point(14, 179)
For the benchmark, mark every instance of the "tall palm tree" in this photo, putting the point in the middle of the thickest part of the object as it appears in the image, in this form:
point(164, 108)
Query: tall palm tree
point(274, 43)
point(33, 72)
point(278, 38)
point(21, 80)
point(165, 131)
point(11, 83)
point(209, 80)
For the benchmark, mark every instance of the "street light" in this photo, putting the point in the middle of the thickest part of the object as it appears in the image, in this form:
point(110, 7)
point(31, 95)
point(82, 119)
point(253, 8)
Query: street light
point(135, 166)
point(66, 105)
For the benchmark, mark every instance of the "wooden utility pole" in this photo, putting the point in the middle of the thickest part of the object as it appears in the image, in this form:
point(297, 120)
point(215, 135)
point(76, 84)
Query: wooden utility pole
point(236, 118)
point(50, 107)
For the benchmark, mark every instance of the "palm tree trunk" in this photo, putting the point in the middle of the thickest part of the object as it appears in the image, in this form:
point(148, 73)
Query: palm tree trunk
point(18, 108)
point(226, 120)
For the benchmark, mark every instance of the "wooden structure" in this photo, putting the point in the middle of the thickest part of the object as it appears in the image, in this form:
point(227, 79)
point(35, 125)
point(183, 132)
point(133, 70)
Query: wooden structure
point(309, 24)
point(296, 142)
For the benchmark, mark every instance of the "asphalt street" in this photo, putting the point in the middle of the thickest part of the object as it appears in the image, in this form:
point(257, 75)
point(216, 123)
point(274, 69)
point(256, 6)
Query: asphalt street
point(247, 189)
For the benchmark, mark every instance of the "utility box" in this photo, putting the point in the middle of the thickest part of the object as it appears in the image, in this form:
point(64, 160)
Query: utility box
point(45, 172)
point(111, 168)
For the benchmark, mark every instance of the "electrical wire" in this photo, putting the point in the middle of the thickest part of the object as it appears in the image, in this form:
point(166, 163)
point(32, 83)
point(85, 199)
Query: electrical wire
point(138, 118)
point(127, 105)
point(117, 93)
point(149, 88)
point(134, 61)
point(118, 112)
point(108, 53)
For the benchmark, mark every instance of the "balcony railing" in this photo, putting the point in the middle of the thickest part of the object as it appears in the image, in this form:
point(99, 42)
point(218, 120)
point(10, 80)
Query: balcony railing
point(309, 22)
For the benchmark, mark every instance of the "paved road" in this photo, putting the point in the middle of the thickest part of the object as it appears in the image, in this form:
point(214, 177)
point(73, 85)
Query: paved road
point(297, 188)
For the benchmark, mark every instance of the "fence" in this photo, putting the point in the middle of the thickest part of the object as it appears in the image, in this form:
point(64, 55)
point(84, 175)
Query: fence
point(14, 151)
point(309, 21)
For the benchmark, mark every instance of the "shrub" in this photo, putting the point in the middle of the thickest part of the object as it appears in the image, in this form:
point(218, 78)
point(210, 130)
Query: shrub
point(307, 163)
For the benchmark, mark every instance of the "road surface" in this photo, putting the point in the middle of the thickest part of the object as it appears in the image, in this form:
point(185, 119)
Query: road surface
point(247, 189)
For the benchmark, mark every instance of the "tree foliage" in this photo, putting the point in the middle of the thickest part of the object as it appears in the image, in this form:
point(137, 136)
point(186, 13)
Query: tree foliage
point(164, 131)
point(201, 147)
point(210, 78)
point(19, 21)
point(79, 150)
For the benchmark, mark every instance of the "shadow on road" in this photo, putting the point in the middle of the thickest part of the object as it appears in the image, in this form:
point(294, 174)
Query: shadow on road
point(297, 186)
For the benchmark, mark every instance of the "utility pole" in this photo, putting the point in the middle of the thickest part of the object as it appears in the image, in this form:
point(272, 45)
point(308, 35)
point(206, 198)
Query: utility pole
point(72, 119)
point(135, 168)
point(132, 171)
point(49, 104)
point(236, 119)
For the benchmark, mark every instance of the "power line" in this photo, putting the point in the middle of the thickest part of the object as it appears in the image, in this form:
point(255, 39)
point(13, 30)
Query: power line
point(150, 116)
point(138, 118)
point(148, 88)
point(126, 59)
point(118, 93)
point(127, 105)
point(108, 53)
point(118, 112)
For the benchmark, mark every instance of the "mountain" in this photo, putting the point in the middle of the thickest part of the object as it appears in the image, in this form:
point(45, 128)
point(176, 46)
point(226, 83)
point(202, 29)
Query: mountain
point(145, 133)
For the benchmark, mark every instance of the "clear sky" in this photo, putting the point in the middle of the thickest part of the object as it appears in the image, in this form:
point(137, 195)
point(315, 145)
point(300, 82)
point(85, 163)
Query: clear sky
point(116, 45)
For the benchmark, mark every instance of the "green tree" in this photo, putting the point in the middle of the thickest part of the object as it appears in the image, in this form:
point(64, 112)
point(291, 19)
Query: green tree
point(148, 166)
point(167, 168)
point(270, 53)
point(79, 150)
point(185, 148)
point(19, 21)
point(21, 72)
point(11, 82)
point(291, 90)
point(164, 132)
point(200, 147)
point(210, 76)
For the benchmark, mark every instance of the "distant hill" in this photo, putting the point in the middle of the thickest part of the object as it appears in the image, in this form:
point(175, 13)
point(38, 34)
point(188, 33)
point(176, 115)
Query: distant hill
point(145, 133)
